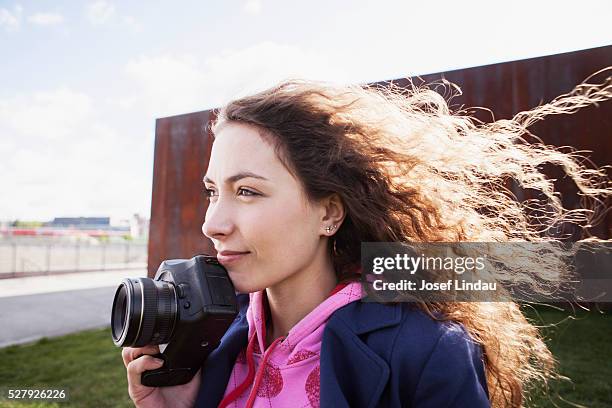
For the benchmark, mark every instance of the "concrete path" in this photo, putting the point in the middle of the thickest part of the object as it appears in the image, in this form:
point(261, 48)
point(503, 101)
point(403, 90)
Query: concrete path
point(46, 306)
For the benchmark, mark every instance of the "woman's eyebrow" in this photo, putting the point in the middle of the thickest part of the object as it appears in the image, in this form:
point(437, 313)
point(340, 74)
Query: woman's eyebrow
point(236, 177)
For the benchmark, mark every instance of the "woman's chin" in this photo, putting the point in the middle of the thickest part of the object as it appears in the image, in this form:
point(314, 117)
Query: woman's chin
point(240, 284)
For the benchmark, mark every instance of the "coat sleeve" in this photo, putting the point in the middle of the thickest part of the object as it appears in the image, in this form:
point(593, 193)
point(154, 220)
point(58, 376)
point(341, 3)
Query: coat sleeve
point(453, 374)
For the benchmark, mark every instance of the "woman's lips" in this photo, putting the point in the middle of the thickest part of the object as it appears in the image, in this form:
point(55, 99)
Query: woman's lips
point(230, 258)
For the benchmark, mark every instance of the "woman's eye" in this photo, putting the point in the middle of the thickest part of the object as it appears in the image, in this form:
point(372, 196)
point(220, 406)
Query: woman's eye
point(248, 193)
point(209, 193)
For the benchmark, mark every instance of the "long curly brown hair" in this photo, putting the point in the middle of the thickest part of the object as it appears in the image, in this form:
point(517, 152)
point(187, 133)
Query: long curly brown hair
point(409, 170)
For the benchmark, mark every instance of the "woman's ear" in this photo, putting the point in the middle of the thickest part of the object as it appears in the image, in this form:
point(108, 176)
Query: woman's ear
point(333, 214)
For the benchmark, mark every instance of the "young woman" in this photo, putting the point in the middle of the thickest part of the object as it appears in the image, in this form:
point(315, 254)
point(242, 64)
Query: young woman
point(299, 176)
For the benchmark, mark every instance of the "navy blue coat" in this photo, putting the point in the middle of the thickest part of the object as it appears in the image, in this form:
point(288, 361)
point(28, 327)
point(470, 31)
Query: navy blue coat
point(374, 355)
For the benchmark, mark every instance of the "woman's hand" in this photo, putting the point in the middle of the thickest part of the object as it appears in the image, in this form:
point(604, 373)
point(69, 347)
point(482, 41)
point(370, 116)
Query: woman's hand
point(182, 396)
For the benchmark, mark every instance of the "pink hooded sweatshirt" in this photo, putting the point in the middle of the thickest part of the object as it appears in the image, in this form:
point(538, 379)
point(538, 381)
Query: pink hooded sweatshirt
point(286, 374)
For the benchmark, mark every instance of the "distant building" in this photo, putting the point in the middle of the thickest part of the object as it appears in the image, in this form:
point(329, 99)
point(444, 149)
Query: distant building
point(136, 227)
point(84, 223)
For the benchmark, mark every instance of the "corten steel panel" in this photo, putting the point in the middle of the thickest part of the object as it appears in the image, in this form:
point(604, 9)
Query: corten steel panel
point(182, 146)
point(510, 87)
point(182, 151)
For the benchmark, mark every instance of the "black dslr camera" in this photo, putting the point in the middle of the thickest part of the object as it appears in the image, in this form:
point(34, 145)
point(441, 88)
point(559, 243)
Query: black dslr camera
point(186, 309)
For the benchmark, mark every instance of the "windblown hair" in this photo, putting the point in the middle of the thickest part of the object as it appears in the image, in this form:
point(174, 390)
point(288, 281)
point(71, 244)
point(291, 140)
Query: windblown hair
point(408, 169)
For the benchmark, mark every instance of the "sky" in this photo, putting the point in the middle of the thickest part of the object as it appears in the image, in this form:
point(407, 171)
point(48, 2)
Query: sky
point(82, 83)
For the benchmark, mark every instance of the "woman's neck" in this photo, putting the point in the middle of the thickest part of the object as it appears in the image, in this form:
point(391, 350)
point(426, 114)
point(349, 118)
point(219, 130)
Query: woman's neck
point(292, 299)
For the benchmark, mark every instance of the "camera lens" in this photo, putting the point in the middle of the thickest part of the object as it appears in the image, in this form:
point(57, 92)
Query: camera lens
point(144, 312)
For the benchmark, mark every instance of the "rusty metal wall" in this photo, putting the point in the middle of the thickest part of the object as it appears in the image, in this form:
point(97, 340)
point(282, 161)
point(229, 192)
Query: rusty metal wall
point(510, 87)
point(182, 150)
point(182, 146)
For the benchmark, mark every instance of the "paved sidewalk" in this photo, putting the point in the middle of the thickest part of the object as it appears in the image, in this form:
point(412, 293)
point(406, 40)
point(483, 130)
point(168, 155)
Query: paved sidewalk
point(46, 306)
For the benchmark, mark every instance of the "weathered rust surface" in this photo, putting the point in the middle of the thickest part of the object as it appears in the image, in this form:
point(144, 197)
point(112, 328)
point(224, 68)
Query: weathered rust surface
point(510, 87)
point(182, 151)
point(182, 143)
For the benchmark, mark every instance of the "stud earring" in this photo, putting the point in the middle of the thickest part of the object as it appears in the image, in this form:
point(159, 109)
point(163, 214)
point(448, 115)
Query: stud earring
point(330, 229)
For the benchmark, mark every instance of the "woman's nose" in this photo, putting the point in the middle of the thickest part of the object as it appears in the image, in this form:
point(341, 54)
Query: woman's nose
point(217, 221)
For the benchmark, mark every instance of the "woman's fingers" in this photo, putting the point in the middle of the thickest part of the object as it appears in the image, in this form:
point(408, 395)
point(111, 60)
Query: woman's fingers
point(129, 354)
point(136, 367)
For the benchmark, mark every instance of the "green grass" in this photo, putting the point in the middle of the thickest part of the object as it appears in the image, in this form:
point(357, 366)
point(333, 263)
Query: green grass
point(89, 365)
point(582, 344)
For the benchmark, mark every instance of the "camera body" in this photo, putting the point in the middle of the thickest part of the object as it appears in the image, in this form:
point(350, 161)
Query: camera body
point(186, 309)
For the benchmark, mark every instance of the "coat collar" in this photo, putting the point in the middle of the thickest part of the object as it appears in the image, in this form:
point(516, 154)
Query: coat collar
point(363, 317)
point(344, 352)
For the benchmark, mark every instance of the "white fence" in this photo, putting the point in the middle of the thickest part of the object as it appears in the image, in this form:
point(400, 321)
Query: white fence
point(35, 257)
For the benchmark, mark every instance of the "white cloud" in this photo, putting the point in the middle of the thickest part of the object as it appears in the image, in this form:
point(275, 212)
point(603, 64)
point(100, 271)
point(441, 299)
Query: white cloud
point(457, 36)
point(62, 157)
point(100, 12)
point(46, 19)
point(267, 63)
point(11, 21)
point(132, 23)
point(174, 84)
point(45, 116)
point(166, 83)
point(252, 6)
point(125, 103)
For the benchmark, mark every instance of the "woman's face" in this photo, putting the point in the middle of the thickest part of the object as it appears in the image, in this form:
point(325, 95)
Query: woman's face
point(256, 206)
